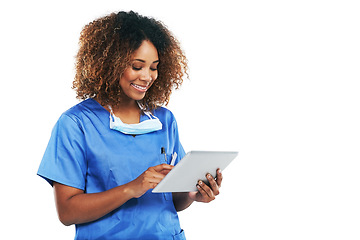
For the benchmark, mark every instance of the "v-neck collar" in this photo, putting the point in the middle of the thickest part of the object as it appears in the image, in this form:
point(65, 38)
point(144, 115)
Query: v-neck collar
point(103, 111)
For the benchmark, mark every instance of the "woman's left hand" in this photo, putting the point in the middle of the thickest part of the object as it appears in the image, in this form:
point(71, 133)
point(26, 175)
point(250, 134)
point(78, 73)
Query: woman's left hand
point(207, 193)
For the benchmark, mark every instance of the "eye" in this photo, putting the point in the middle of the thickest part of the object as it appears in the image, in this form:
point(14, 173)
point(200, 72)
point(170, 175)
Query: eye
point(136, 68)
point(154, 67)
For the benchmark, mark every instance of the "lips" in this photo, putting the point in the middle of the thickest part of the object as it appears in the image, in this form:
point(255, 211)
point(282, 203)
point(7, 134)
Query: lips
point(139, 87)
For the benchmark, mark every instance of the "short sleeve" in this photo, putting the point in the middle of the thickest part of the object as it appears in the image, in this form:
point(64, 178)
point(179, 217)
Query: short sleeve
point(64, 160)
point(178, 148)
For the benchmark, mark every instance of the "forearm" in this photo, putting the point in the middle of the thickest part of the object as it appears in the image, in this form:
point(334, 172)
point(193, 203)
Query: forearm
point(181, 201)
point(76, 207)
point(83, 207)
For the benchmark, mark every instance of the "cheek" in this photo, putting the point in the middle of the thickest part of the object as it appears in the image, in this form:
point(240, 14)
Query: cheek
point(127, 76)
point(154, 75)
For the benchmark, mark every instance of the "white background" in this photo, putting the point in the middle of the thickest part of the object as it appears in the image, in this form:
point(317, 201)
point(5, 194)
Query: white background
point(276, 80)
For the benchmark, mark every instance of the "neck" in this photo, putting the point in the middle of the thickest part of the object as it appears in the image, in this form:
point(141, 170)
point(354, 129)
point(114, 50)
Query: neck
point(128, 112)
point(127, 105)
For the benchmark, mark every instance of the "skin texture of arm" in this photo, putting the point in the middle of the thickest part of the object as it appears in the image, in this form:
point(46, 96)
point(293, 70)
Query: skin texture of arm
point(76, 207)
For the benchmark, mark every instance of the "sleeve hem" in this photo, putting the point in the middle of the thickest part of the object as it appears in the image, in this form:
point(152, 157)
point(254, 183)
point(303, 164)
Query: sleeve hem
point(51, 180)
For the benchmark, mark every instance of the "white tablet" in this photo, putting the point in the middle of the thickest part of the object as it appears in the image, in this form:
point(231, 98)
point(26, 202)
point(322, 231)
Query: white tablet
point(193, 167)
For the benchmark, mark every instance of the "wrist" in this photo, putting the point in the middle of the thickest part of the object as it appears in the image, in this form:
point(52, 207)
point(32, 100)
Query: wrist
point(182, 200)
point(128, 191)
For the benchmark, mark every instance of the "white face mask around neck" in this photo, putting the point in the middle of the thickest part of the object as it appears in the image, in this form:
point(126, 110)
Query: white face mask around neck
point(151, 125)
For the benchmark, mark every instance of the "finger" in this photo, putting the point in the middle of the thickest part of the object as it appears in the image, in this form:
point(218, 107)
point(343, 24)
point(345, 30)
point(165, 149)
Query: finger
point(213, 184)
point(219, 177)
point(165, 171)
point(204, 196)
point(151, 181)
point(161, 167)
point(206, 192)
point(153, 176)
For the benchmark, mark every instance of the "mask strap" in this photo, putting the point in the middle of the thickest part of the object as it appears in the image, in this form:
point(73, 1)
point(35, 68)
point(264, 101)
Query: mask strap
point(147, 113)
point(111, 113)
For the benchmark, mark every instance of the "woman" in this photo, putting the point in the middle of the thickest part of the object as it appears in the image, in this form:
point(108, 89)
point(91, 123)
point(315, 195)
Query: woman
point(107, 153)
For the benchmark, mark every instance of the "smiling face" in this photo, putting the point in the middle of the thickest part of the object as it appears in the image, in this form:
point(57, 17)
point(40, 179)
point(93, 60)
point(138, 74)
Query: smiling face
point(138, 78)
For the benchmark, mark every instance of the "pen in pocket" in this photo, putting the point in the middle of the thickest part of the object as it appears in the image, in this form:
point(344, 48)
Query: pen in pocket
point(164, 152)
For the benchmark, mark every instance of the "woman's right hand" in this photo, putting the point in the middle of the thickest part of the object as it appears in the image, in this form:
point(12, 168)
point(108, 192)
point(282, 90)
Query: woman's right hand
point(149, 179)
point(76, 207)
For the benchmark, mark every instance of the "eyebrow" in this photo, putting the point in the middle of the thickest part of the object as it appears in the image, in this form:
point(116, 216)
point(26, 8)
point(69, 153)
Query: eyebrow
point(140, 60)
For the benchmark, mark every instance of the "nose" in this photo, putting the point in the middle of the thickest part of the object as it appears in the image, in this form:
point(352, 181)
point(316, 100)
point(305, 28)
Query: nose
point(146, 75)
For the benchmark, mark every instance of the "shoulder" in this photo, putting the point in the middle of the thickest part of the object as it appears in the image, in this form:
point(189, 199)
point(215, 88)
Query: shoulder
point(85, 110)
point(167, 118)
point(164, 113)
point(78, 113)
point(79, 108)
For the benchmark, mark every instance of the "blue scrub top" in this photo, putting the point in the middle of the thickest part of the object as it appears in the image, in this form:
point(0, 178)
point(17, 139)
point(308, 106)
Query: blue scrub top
point(84, 153)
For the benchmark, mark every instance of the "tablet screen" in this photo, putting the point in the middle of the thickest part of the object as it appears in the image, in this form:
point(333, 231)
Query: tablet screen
point(193, 167)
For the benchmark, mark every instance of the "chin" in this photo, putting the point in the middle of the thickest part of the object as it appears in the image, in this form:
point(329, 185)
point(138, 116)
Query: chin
point(138, 98)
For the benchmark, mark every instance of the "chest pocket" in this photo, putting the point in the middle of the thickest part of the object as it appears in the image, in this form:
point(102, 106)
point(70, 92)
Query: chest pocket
point(166, 159)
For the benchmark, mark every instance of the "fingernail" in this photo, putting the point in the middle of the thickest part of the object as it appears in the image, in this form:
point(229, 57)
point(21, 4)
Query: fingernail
point(200, 182)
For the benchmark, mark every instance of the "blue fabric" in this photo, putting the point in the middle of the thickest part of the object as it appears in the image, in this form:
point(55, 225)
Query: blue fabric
point(84, 153)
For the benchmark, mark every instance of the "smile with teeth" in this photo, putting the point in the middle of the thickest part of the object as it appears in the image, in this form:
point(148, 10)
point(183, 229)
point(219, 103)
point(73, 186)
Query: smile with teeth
point(138, 87)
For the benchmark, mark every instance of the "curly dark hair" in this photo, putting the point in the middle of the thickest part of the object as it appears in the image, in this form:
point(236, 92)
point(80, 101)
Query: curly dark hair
point(105, 51)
